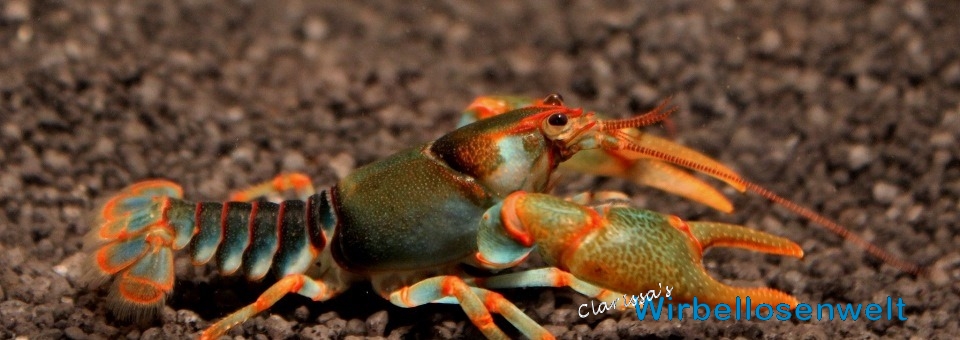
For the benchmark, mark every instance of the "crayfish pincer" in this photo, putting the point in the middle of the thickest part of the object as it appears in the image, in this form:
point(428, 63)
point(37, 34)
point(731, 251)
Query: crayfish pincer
point(408, 222)
point(622, 248)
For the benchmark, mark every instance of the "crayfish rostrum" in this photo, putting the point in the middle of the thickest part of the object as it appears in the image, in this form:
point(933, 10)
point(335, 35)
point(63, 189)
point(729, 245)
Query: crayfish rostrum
point(474, 196)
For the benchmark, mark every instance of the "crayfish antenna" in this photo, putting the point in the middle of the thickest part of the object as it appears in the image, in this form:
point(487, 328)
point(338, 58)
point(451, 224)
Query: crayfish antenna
point(796, 208)
point(658, 114)
point(838, 229)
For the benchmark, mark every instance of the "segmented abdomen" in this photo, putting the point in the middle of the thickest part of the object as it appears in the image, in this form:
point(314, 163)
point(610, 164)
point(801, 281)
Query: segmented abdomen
point(140, 227)
point(255, 236)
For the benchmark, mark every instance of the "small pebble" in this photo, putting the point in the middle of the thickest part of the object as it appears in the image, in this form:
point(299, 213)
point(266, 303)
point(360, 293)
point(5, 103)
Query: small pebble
point(278, 328)
point(951, 74)
point(105, 148)
point(943, 140)
point(10, 184)
point(563, 316)
point(946, 270)
point(11, 131)
point(377, 323)
point(355, 327)
point(135, 131)
point(318, 332)
point(315, 28)
point(399, 333)
point(606, 329)
point(770, 42)
point(338, 326)
point(152, 333)
point(56, 161)
point(48, 334)
point(16, 10)
point(885, 192)
point(294, 161)
point(323, 318)
point(74, 333)
point(242, 155)
point(301, 313)
point(916, 10)
point(859, 156)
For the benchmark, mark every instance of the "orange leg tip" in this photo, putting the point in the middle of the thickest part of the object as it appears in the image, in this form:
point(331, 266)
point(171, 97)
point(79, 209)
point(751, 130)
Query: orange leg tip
point(795, 251)
point(299, 181)
point(279, 183)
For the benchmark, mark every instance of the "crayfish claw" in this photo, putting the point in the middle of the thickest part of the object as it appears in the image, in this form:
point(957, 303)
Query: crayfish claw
point(714, 234)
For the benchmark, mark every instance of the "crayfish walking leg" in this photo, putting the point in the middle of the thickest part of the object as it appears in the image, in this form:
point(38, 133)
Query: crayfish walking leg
point(295, 283)
point(298, 182)
point(478, 303)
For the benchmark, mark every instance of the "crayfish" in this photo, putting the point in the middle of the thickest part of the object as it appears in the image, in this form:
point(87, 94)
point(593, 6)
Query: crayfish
point(475, 197)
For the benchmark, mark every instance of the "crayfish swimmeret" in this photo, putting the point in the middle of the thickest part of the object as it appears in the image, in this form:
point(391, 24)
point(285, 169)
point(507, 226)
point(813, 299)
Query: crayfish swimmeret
point(474, 196)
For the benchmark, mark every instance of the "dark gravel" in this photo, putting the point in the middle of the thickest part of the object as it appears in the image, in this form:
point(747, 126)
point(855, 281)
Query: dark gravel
point(851, 108)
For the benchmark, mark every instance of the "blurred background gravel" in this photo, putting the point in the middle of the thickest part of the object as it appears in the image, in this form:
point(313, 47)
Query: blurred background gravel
point(851, 108)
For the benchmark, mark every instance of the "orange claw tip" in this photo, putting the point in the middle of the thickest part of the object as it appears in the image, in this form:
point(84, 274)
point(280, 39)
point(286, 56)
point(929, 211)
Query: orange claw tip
point(772, 297)
point(716, 234)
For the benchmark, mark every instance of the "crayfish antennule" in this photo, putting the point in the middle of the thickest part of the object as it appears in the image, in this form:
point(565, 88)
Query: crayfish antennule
point(654, 116)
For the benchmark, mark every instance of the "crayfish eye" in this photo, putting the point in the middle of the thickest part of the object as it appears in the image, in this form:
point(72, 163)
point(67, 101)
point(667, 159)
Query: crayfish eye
point(554, 99)
point(557, 119)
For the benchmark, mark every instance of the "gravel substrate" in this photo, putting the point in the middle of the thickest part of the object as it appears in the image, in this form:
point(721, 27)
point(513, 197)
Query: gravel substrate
point(849, 107)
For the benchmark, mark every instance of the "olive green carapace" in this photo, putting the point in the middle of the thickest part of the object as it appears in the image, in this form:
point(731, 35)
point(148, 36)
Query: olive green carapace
point(421, 207)
point(376, 230)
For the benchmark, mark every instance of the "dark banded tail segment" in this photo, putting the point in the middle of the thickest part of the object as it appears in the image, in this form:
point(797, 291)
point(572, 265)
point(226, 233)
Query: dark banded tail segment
point(139, 228)
point(259, 235)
